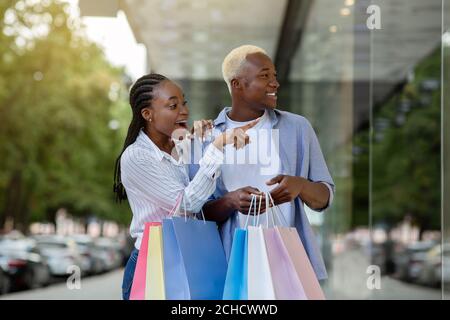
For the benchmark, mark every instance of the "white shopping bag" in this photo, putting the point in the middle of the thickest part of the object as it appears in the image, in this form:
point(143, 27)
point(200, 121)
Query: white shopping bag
point(260, 286)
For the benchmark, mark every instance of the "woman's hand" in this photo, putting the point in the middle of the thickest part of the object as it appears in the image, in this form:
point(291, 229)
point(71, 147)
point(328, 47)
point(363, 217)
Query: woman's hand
point(236, 136)
point(201, 128)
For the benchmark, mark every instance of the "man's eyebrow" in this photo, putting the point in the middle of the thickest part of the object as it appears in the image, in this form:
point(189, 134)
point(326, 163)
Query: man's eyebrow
point(173, 97)
point(264, 69)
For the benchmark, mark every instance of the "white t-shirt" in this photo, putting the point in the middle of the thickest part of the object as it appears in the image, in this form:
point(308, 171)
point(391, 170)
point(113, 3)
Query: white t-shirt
point(254, 165)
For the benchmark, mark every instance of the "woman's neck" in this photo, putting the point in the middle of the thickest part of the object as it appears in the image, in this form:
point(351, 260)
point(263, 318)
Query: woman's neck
point(163, 142)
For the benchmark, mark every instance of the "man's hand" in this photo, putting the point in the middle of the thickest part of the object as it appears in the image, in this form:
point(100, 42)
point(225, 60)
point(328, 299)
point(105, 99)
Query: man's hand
point(289, 188)
point(315, 194)
point(240, 199)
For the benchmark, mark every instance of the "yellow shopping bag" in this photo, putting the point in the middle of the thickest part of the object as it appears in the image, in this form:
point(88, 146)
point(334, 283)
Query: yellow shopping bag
point(154, 289)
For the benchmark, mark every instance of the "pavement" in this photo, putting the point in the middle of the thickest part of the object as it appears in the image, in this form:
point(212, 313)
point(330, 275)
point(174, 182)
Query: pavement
point(347, 281)
point(106, 286)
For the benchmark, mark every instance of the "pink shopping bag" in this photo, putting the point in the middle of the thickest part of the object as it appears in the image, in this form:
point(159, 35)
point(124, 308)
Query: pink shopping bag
point(140, 279)
point(286, 283)
point(301, 262)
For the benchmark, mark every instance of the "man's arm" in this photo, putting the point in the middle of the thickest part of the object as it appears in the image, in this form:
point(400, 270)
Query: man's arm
point(312, 190)
point(314, 194)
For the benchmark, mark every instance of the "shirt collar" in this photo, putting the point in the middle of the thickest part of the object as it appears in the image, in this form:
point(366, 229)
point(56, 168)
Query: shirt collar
point(150, 145)
point(222, 117)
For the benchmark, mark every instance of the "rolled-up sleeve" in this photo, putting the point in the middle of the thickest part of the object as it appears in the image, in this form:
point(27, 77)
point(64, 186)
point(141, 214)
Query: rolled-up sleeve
point(318, 170)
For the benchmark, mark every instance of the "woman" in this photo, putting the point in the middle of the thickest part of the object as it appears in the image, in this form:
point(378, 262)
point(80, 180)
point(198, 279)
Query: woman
point(149, 172)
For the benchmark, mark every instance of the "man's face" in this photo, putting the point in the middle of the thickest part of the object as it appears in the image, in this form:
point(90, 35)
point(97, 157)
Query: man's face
point(259, 82)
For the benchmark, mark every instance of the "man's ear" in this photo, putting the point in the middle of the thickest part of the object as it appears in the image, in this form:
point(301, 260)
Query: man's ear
point(147, 114)
point(236, 84)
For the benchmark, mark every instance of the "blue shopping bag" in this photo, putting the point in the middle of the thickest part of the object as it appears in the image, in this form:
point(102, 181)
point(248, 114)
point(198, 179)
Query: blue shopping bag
point(203, 257)
point(176, 282)
point(236, 280)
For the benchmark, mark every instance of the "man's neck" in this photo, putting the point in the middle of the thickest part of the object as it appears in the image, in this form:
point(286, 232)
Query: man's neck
point(242, 113)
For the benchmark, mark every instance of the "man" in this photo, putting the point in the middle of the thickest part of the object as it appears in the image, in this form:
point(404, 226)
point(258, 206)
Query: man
point(297, 173)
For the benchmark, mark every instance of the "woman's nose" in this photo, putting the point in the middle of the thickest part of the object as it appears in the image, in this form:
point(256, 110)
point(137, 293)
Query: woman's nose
point(185, 109)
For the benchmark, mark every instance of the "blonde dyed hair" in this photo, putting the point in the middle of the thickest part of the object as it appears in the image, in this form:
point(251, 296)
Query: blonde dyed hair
point(233, 62)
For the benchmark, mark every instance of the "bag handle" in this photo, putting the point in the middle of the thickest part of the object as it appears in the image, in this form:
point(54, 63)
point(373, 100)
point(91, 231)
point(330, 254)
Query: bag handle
point(176, 208)
point(177, 205)
point(259, 211)
point(279, 213)
point(249, 210)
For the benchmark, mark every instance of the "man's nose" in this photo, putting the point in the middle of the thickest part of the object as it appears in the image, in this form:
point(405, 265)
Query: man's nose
point(274, 83)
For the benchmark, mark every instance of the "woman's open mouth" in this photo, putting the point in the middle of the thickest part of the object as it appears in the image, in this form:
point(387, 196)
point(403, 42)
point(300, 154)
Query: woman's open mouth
point(182, 123)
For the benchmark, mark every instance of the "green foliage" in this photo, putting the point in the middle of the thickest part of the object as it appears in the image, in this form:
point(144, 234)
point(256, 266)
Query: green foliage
point(57, 96)
point(406, 153)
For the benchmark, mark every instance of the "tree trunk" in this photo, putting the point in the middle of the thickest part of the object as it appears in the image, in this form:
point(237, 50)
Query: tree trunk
point(12, 198)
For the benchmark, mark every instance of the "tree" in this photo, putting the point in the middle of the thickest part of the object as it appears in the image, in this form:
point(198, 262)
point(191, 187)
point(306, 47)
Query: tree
point(406, 152)
point(58, 94)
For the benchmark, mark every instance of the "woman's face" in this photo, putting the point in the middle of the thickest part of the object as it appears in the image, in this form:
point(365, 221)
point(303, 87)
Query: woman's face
point(169, 110)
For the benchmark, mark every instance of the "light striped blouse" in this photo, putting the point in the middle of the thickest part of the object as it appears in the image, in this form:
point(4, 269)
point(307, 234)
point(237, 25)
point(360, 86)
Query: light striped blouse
point(154, 180)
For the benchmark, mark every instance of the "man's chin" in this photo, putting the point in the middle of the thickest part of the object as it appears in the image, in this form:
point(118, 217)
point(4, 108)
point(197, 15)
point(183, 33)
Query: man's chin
point(270, 106)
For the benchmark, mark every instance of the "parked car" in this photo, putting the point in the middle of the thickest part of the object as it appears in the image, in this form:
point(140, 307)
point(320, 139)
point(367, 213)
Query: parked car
point(24, 264)
point(4, 282)
point(61, 253)
point(436, 268)
point(92, 262)
point(109, 251)
point(410, 261)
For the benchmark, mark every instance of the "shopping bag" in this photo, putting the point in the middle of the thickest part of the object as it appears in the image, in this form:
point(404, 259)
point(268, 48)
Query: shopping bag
point(302, 265)
point(154, 289)
point(236, 279)
point(203, 257)
point(139, 279)
point(260, 286)
point(176, 282)
point(287, 285)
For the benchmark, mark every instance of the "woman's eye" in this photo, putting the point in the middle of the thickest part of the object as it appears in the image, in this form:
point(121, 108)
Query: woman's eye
point(185, 103)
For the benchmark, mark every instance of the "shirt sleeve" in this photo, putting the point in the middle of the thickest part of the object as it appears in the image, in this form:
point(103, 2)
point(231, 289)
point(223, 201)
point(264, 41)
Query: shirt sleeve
point(157, 181)
point(318, 170)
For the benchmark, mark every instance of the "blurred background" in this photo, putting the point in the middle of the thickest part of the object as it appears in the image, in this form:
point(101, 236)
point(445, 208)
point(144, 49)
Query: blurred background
point(377, 98)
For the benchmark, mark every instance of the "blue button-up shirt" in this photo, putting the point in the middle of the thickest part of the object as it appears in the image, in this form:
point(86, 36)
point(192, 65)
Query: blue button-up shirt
point(301, 156)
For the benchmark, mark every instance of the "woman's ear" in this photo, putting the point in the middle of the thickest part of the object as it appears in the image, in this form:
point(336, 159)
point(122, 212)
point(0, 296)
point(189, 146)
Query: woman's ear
point(147, 114)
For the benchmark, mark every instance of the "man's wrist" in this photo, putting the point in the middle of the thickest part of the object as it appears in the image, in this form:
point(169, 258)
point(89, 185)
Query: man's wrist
point(302, 182)
point(229, 201)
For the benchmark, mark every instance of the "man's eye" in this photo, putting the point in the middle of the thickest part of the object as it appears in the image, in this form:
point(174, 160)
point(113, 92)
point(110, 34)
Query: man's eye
point(264, 75)
point(173, 106)
point(185, 103)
